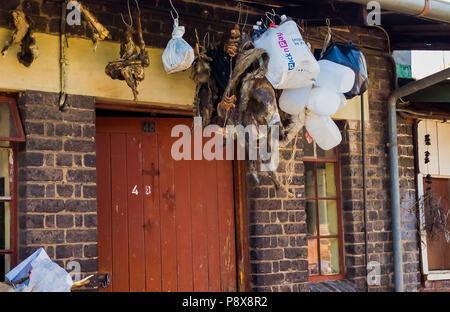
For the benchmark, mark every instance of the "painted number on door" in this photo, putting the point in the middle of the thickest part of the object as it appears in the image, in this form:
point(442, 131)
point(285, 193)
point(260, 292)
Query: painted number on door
point(148, 190)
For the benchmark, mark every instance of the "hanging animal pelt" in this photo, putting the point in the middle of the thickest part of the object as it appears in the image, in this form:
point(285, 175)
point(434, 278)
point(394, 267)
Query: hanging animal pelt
point(22, 34)
point(249, 98)
point(206, 90)
point(99, 32)
point(133, 59)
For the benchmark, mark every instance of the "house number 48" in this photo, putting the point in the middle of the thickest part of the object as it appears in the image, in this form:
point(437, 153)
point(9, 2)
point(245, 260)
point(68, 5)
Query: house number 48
point(148, 190)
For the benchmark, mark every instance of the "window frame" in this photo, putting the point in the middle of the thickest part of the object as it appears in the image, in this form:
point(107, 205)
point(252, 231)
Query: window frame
point(15, 113)
point(12, 199)
point(338, 199)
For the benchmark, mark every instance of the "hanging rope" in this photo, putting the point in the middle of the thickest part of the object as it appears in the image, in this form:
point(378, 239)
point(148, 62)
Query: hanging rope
point(290, 169)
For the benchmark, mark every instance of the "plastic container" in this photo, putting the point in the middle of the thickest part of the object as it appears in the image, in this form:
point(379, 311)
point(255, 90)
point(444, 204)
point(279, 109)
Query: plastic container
point(323, 130)
point(323, 101)
point(292, 101)
point(336, 77)
point(291, 64)
point(343, 101)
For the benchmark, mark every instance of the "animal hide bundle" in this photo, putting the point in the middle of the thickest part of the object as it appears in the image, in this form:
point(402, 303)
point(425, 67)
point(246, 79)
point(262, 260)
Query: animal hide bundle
point(254, 97)
point(23, 35)
point(133, 60)
point(206, 90)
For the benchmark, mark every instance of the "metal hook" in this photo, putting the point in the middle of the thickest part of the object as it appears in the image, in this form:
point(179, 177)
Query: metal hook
point(173, 9)
point(130, 25)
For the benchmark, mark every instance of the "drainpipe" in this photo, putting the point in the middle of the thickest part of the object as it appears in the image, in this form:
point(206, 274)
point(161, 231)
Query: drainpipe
point(393, 157)
point(437, 10)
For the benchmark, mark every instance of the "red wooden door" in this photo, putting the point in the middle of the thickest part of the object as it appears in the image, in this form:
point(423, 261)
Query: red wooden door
point(164, 225)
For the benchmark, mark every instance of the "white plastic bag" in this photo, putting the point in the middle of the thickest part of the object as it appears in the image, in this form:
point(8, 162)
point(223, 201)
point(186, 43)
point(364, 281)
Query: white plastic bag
point(291, 65)
point(43, 275)
point(323, 101)
point(292, 101)
point(323, 130)
point(178, 55)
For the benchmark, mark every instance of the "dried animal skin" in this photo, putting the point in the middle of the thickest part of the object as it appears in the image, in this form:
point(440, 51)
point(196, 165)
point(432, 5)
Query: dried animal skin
point(23, 35)
point(99, 32)
point(21, 29)
point(129, 67)
point(29, 51)
point(133, 60)
point(295, 124)
point(205, 93)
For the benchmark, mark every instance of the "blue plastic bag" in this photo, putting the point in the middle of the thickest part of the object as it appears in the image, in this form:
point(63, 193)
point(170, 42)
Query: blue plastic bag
point(348, 55)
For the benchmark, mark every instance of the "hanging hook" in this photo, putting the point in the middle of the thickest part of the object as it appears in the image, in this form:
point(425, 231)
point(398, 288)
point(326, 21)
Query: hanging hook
point(270, 14)
point(174, 10)
point(130, 25)
point(246, 19)
point(206, 43)
point(239, 5)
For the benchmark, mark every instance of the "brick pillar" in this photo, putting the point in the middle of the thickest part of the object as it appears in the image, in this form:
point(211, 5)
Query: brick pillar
point(278, 244)
point(409, 207)
point(57, 179)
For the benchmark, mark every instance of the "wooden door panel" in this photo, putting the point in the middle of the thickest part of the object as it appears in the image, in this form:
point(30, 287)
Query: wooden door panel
point(152, 215)
point(227, 240)
point(119, 214)
point(164, 225)
point(104, 204)
point(183, 184)
point(136, 192)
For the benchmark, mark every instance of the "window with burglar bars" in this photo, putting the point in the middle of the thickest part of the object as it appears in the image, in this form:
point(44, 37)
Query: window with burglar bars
point(323, 212)
point(10, 132)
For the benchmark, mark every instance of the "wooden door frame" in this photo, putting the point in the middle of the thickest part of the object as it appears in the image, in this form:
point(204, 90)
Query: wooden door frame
point(240, 192)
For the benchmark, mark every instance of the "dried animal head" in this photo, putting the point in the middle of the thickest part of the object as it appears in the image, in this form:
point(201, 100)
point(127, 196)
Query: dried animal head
point(133, 59)
point(231, 44)
point(201, 70)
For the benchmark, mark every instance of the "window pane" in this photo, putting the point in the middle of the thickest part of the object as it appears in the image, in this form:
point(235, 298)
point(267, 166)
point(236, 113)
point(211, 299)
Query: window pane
point(5, 226)
point(328, 217)
point(330, 154)
point(313, 257)
point(329, 256)
point(8, 126)
point(4, 173)
point(308, 148)
point(326, 182)
point(5, 266)
point(309, 180)
point(311, 217)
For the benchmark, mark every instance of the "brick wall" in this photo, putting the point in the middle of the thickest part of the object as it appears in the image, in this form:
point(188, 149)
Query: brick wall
point(278, 242)
point(157, 24)
point(57, 179)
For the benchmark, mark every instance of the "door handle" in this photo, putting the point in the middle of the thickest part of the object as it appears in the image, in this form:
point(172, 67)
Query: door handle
point(104, 280)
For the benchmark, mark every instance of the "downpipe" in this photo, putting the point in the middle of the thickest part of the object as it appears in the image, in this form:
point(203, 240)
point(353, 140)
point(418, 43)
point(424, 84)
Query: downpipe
point(437, 10)
point(393, 160)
